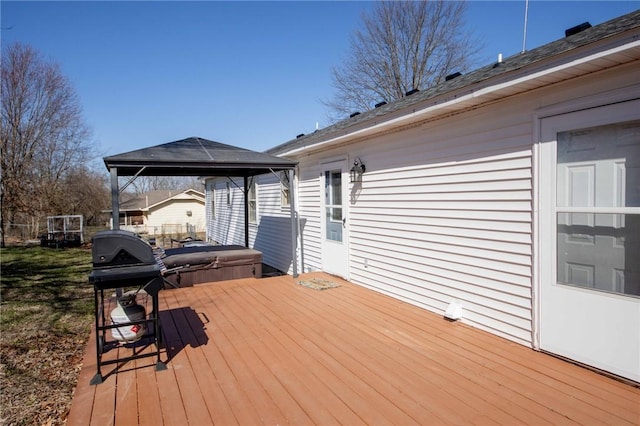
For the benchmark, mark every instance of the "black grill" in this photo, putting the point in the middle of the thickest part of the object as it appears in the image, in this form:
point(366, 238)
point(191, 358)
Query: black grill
point(122, 259)
point(121, 256)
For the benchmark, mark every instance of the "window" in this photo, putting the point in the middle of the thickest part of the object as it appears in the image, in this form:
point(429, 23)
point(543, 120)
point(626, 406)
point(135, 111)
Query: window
point(253, 202)
point(284, 190)
point(598, 171)
point(333, 204)
point(211, 196)
point(210, 205)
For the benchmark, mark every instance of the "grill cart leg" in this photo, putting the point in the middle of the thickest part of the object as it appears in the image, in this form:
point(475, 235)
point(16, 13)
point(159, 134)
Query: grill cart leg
point(160, 366)
point(97, 379)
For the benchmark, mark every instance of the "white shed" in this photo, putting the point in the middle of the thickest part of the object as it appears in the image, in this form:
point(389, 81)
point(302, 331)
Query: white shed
point(511, 192)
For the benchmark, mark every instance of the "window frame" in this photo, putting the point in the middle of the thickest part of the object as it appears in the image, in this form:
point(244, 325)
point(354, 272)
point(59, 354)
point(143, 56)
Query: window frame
point(252, 201)
point(285, 191)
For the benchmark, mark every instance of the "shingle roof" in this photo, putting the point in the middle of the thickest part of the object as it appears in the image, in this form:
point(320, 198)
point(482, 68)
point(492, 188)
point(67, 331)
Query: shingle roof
point(509, 65)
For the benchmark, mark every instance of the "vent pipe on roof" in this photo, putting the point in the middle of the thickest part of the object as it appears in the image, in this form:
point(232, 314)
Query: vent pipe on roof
point(497, 64)
point(452, 76)
point(577, 29)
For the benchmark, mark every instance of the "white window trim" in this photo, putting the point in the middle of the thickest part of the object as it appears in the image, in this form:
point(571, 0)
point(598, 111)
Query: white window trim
point(285, 178)
point(253, 184)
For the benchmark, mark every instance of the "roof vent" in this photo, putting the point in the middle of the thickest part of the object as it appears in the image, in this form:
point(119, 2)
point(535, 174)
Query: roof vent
point(500, 61)
point(411, 92)
point(300, 135)
point(379, 104)
point(354, 114)
point(577, 29)
point(452, 76)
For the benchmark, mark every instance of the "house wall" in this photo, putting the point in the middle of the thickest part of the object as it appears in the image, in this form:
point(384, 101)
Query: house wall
point(271, 234)
point(445, 210)
point(173, 215)
point(227, 226)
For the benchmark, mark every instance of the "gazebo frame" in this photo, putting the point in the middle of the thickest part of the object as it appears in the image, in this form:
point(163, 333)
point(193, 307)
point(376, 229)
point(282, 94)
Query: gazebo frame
point(196, 156)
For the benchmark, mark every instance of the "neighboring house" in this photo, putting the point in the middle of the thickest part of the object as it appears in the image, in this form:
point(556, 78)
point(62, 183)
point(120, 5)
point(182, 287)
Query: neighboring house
point(512, 192)
point(164, 212)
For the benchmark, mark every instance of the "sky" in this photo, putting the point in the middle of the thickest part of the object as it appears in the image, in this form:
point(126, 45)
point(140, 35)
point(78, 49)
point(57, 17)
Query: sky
point(249, 74)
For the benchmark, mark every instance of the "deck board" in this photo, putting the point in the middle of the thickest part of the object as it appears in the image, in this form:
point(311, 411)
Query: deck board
point(270, 351)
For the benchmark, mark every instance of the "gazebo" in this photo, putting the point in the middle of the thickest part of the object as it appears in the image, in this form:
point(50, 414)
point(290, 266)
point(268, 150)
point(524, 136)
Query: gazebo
point(196, 156)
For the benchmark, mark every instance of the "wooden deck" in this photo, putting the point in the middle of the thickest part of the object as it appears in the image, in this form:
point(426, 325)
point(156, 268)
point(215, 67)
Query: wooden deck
point(270, 351)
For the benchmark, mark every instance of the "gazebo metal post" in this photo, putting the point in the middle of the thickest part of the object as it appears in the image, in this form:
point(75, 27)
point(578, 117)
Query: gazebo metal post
point(246, 212)
point(294, 226)
point(115, 199)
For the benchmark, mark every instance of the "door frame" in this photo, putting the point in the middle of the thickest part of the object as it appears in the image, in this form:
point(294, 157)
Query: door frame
point(326, 164)
point(616, 105)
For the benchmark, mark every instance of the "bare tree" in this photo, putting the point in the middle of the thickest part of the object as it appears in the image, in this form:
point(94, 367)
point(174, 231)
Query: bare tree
point(160, 183)
point(404, 45)
point(42, 135)
point(86, 193)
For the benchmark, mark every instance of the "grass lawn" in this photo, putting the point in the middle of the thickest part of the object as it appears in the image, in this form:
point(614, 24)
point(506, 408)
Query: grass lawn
point(46, 314)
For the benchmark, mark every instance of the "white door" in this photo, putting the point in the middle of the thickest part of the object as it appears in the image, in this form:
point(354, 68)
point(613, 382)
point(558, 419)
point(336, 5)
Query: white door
point(590, 237)
point(335, 255)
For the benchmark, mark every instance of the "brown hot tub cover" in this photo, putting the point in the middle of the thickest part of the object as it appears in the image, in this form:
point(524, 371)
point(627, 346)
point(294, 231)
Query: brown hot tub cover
point(202, 264)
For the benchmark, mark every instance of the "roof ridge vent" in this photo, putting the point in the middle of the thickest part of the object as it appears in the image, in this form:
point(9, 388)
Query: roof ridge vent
point(577, 29)
point(452, 76)
point(379, 104)
point(411, 92)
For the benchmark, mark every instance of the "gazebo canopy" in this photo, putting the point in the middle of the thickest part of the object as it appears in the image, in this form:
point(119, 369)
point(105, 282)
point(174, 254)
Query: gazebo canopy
point(196, 157)
point(200, 157)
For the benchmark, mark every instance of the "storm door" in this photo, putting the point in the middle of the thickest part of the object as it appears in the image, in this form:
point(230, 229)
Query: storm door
point(335, 256)
point(590, 250)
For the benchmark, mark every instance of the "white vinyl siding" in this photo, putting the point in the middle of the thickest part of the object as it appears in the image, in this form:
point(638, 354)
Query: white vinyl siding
point(273, 233)
point(444, 212)
point(309, 209)
point(228, 226)
point(449, 236)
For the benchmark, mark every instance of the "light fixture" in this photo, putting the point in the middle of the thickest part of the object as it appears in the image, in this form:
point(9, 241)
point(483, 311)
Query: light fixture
point(357, 170)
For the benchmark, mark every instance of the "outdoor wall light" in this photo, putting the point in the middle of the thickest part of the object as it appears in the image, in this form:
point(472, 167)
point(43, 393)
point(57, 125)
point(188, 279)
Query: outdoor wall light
point(357, 170)
point(189, 213)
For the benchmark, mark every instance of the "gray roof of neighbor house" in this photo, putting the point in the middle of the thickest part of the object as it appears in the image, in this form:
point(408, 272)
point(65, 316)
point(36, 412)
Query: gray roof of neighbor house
point(509, 69)
point(151, 198)
point(195, 156)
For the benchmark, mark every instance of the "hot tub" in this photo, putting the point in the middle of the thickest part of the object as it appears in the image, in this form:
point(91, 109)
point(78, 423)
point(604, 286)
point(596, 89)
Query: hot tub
point(188, 266)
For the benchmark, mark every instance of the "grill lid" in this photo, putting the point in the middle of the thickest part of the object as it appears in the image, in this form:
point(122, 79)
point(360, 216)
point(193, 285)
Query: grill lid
point(120, 248)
